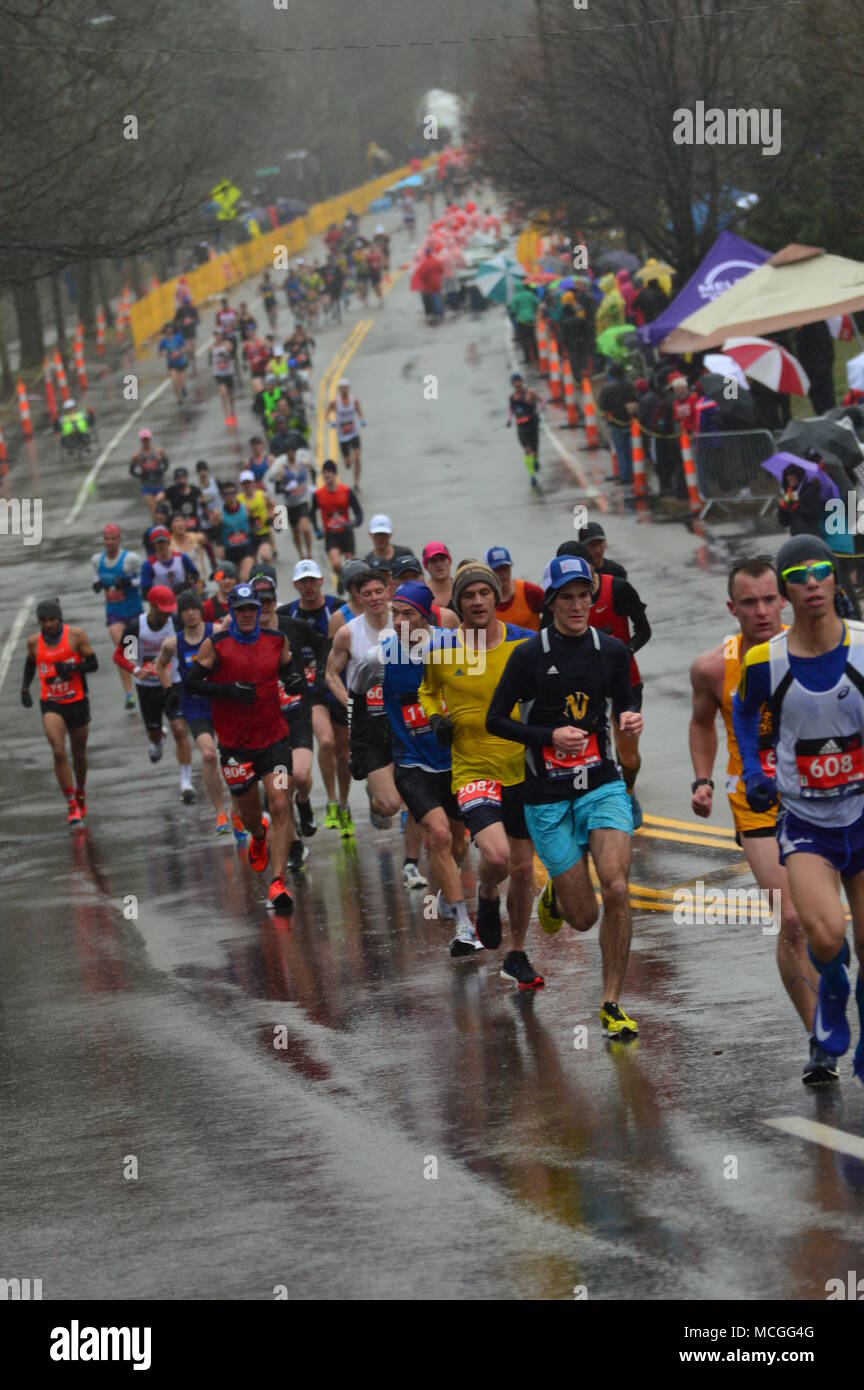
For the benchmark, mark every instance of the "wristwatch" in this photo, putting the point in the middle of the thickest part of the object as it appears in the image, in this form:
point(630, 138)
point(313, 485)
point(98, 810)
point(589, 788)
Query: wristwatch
point(701, 782)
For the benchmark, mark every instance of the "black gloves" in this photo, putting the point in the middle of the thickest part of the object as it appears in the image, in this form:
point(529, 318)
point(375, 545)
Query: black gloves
point(26, 699)
point(173, 704)
point(64, 670)
point(442, 727)
point(242, 691)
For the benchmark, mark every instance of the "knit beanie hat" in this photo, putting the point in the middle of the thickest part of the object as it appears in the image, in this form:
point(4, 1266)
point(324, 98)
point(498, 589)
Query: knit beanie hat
point(473, 572)
point(797, 551)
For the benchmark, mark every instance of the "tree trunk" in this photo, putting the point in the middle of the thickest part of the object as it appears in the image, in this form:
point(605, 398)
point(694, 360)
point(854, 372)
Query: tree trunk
point(86, 305)
point(59, 312)
point(103, 293)
point(6, 377)
point(29, 317)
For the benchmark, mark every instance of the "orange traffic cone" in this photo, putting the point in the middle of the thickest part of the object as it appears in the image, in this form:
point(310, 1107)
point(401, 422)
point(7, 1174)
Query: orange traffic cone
point(80, 370)
point(693, 495)
point(50, 396)
point(24, 411)
point(542, 345)
point(555, 392)
point(60, 373)
point(100, 333)
point(639, 485)
point(592, 434)
point(4, 467)
point(570, 394)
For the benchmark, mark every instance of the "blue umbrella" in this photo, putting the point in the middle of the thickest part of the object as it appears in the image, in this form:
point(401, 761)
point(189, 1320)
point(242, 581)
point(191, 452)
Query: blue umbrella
point(778, 463)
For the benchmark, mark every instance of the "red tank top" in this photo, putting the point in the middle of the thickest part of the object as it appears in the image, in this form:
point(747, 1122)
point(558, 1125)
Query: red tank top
point(249, 726)
point(61, 692)
point(335, 508)
point(603, 616)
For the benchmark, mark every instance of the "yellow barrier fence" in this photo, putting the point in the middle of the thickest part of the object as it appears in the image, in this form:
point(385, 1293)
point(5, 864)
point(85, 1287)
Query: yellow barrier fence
point(150, 313)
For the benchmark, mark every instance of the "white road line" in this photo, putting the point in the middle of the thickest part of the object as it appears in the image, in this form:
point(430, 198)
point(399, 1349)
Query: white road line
point(12, 640)
point(571, 462)
point(815, 1133)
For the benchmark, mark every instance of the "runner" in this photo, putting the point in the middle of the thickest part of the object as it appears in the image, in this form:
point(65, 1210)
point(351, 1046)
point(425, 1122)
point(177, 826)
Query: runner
point(408, 568)
point(354, 573)
point(172, 346)
point(186, 321)
point(63, 657)
point(340, 512)
point(488, 772)
point(260, 508)
point(755, 602)
point(292, 475)
point(593, 537)
point(176, 655)
point(222, 366)
point(437, 561)
point(138, 651)
point(521, 602)
point(267, 291)
point(184, 497)
point(813, 676)
point(216, 608)
point(118, 574)
point(260, 460)
point(524, 407)
point(149, 465)
point(375, 269)
point(166, 566)
point(347, 414)
point(295, 702)
point(235, 541)
point(576, 803)
point(329, 716)
point(422, 769)
point(381, 531)
point(186, 541)
point(238, 669)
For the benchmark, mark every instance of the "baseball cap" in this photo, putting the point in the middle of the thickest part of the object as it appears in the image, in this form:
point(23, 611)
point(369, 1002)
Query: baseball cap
point(592, 532)
point(181, 472)
point(227, 570)
point(328, 466)
point(145, 434)
point(162, 598)
point(111, 529)
point(498, 555)
point(380, 525)
point(563, 570)
point(160, 533)
point(306, 569)
point(435, 548)
point(343, 381)
point(406, 564)
point(379, 565)
point(243, 596)
point(352, 571)
point(69, 405)
point(247, 476)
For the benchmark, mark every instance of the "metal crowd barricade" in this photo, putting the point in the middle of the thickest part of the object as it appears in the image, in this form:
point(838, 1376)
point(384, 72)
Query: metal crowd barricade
point(728, 468)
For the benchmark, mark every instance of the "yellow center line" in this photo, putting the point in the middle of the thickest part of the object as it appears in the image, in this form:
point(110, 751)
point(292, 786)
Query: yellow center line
point(689, 825)
point(689, 840)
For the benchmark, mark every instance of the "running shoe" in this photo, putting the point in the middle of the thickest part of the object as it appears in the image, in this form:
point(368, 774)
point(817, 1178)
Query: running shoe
point(188, 795)
point(129, 703)
point(465, 943)
point(346, 823)
point(615, 1022)
point(518, 969)
point(637, 810)
point(81, 798)
point(443, 907)
point(489, 922)
point(259, 855)
point(331, 819)
point(830, 1024)
point(73, 814)
point(412, 877)
point(306, 818)
point(223, 825)
point(156, 750)
point(278, 897)
point(297, 857)
point(547, 910)
point(821, 1067)
point(241, 834)
point(858, 1060)
point(534, 482)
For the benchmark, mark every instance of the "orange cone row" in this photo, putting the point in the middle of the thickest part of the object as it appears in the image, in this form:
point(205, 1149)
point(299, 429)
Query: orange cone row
point(542, 345)
point(555, 392)
point(570, 394)
point(60, 373)
point(693, 495)
point(100, 334)
point(3, 453)
point(639, 485)
point(592, 434)
point(24, 411)
point(80, 370)
point(50, 394)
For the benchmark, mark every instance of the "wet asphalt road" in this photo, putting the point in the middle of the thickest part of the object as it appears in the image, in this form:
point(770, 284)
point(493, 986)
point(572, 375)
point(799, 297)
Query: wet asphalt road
point(151, 1036)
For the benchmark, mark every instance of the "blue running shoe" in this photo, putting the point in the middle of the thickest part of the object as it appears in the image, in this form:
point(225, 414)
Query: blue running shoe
point(830, 1024)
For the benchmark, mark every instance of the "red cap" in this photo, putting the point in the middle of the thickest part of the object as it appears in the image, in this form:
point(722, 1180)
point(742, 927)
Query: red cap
point(111, 529)
point(160, 533)
point(435, 548)
point(162, 598)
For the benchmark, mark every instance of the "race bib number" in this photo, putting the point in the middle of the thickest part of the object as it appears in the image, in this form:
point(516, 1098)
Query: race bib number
point(338, 521)
point(147, 671)
point(769, 762)
point(830, 766)
point(288, 701)
point(414, 718)
point(480, 793)
point(375, 700)
point(346, 430)
point(115, 596)
point(310, 673)
point(564, 764)
point(236, 774)
point(63, 692)
point(236, 538)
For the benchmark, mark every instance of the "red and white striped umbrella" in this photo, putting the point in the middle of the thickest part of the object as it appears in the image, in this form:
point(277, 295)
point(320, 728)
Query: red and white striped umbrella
point(768, 362)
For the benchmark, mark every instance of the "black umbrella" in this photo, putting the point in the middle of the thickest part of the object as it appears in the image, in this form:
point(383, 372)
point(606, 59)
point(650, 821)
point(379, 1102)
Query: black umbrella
point(617, 260)
point(826, 436)
point(740, 410)
point(854, 413)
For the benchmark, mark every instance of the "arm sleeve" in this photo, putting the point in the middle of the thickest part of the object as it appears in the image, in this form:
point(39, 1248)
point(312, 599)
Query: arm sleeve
point(132, 567)
point(198, 682)
point(627, 602)
point(621, 688)
point(515, 684)
point(356, 509)
point(147, 578)
point(120, 658)
point(753, 691)
point(29, 671)
point(190, 569)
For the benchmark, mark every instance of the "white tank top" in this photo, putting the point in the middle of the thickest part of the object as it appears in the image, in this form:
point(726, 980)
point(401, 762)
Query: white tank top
point(362, 638)
point(150, 645)
point(346, 417)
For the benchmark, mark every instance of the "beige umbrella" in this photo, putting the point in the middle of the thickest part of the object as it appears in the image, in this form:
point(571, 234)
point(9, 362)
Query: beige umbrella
point(801, 284)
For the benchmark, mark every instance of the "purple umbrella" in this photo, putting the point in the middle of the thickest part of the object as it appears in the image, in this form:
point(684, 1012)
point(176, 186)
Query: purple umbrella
point(778, 463)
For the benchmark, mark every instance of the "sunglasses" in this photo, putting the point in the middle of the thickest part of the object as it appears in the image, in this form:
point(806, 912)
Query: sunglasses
point(799, 574)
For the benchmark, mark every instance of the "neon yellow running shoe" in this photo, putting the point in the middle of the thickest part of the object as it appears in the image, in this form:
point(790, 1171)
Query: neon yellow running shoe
point(615, 1022)
point(331, 820)
point(547, 910)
